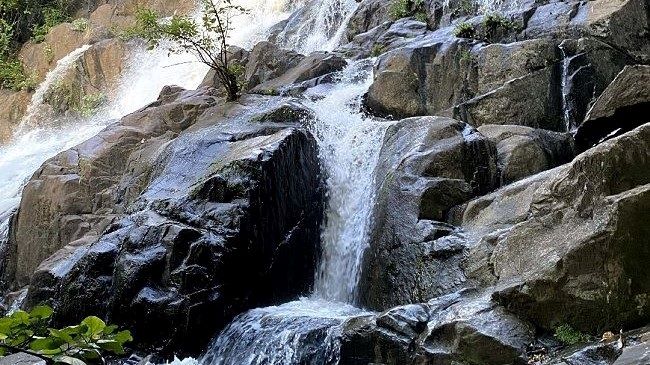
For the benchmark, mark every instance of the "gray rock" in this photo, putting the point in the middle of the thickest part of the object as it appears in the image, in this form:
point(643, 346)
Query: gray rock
point(427, 166)
point(623, 106)
point(459, 327)
point(311, 67)
point(21, 359)
point(267, 61)
point(524, 151)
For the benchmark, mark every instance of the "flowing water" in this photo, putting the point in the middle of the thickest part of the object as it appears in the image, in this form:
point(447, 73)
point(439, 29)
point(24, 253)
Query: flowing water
point(295, 332)
point(40, 136)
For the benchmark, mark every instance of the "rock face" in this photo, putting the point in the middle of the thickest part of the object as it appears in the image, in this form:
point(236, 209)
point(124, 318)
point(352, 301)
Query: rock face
point(524, 151)
point(430, 165)
point(624, 105)
point(174, 220)
point(446, 330)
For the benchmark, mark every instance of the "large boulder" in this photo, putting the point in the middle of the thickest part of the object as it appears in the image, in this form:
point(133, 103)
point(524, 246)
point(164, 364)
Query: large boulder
point(174, 220)
point(311, 67)
point(457, 328)
point(524, 151)
point(13, 105)
point(568, 245)
point(623, 106)
point(268, 61)
point(427, 166)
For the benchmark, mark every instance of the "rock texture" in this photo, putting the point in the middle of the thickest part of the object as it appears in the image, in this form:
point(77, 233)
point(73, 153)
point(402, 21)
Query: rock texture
point(428, 166)
point(173, 220)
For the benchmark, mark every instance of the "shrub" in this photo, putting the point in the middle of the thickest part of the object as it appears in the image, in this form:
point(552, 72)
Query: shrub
point(570, 336)
point(89, 104)
point(465, 30)
point(409, 8)
point(377, 50)
point(87, 342)
point(52, 17)
point(208, 41)
point(80, 25)
point(13, 76)
point(493, 24)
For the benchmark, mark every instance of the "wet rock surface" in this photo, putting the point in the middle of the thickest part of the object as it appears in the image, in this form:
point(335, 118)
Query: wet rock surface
point(177, 220)
point(489, 230)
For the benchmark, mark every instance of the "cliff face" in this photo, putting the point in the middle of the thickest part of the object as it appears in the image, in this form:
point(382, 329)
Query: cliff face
point(512, 190)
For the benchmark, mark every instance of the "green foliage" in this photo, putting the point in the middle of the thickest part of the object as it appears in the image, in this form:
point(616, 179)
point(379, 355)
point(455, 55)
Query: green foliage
point(52, 16)
point(465, 30)
point(80, 25)
point(85, 343)
point(207, 40)
point(570, 336)
point(408, 8)
point(494, 24)
point(377, 50)
point(90, 103)
point(13, 76)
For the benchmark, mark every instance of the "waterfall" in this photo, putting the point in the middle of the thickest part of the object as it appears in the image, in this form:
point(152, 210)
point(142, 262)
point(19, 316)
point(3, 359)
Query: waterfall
point(305, 331)
point(41, 137)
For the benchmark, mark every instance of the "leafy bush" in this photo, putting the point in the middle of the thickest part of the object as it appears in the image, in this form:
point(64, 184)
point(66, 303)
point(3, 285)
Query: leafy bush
point(90, 103)
point(51, 17)
point(465, 30)
point(80, 25)
point(208, 41)
point(570, 336)
point(377, 50)
point(85, 343)
point(409, 8)
point(13, 76)
point(493, 24)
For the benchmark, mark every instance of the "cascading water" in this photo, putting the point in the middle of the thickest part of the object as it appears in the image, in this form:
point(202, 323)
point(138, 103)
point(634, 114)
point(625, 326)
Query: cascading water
point(41, 137)
point(305, 331)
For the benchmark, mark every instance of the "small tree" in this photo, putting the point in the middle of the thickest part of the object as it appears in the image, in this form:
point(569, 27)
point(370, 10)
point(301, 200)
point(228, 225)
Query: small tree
point(207, 40)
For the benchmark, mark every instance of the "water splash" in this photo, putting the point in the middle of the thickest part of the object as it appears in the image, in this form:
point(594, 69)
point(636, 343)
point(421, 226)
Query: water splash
point(318, 26)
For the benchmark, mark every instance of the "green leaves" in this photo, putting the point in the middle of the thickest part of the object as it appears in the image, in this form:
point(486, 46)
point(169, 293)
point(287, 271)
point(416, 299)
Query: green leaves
point(85, 343)
point(207, 39)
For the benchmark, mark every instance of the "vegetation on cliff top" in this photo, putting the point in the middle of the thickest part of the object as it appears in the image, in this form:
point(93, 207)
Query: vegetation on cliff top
point(207, 40)
point(20, 21)
point(86, 343)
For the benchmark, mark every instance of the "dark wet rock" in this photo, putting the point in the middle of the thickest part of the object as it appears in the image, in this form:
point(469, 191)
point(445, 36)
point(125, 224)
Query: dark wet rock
point(427, 165)
point(268, 61)
point(459, 327)
point(524, 151)
point(206, 213)
point(623, 106)
point(311, 67)
point(589, 66)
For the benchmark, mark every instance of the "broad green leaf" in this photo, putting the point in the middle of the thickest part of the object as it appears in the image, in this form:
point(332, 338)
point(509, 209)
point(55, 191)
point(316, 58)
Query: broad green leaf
point(123, 336)
point(95, 325)
point(47, 343)
point(42, 312)
point(111, 346)
point(64, 359)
